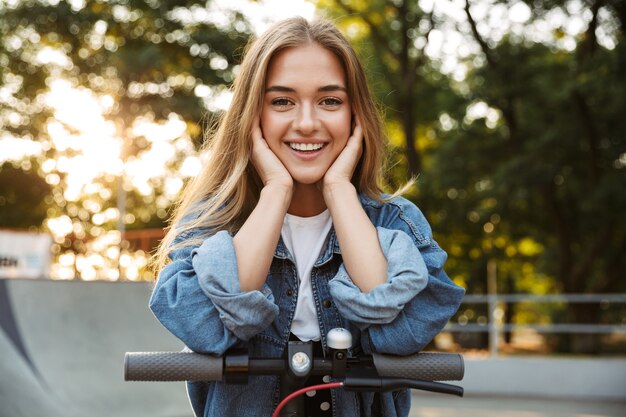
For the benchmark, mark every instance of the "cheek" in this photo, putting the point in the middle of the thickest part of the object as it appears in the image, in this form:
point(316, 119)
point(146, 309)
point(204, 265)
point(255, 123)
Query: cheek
point(268, 129)
point(342, 126)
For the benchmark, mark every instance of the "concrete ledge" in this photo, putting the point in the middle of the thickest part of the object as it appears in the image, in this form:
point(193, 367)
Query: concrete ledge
point(62, 346)
point(541, 377)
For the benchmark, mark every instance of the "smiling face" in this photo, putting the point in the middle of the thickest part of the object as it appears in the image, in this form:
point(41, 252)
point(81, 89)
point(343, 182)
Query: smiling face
point(306, 113)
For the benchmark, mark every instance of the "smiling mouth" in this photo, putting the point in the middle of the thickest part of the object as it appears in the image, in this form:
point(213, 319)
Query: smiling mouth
point(306, 147)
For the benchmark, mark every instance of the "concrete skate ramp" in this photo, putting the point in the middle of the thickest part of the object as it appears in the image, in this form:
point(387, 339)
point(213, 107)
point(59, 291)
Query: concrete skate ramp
point(62, 348)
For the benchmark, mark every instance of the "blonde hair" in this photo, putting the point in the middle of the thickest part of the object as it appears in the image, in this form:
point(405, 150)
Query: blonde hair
point(223, 195)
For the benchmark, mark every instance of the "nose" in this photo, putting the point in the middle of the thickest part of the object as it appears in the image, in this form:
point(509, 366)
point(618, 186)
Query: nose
point(306, 121)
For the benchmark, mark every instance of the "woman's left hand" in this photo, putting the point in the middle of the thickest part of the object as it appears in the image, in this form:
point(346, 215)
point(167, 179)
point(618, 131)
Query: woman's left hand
point(361, 252)
point(341, 171)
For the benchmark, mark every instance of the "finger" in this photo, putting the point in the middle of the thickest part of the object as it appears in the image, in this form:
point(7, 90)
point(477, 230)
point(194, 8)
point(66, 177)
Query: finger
point(355, 141)
point(357, 132)
point(357, 125)
point(256, 132)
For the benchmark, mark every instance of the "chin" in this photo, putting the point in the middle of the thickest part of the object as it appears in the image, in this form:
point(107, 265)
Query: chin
point(307, 180)
point(307, 177)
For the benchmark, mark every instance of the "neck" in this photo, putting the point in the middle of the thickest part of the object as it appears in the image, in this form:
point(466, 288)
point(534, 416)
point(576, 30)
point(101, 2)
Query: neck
point(307, 201)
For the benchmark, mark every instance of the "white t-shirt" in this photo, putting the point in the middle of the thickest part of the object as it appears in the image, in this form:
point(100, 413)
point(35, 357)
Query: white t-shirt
point(305, 238)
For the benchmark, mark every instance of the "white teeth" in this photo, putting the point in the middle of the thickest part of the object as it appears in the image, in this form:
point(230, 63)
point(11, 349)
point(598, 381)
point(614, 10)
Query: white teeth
point(306, 146)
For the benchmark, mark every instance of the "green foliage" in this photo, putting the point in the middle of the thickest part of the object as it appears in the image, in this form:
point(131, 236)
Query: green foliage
point(149, 68)
point(521, 162)
point(148, 55)
point(391, 38)
point(24, 198)
point(551, 169)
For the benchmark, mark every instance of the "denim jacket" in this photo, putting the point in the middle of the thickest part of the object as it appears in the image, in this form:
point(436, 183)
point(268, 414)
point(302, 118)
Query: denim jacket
point(198, 299)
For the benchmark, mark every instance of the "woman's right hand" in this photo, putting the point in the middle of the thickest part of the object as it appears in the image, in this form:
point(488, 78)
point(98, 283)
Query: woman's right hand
point(268, 166)
point(256, 240)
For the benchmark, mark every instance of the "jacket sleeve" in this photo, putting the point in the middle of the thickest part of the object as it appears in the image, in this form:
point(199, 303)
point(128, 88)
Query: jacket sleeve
point(418, 299)
point(406, 277)
point(423, 317)
point(198, 299)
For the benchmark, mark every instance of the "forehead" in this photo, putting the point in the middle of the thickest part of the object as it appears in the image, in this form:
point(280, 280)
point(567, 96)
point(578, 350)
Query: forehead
point(304, 65)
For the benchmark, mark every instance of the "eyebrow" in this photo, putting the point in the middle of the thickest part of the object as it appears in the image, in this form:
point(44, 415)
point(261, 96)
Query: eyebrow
point(283, 89)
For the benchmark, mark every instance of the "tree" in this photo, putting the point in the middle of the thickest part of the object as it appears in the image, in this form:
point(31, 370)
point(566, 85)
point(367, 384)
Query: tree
point(150, 69)
point(392, 38)
point(23, 198)
point(556, 164)
point(522, 157)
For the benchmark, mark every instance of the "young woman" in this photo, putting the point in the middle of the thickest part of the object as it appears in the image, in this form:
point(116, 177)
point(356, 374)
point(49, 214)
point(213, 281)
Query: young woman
point(285, 233)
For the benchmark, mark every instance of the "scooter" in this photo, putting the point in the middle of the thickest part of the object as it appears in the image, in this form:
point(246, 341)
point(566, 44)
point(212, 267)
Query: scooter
point(372, 373)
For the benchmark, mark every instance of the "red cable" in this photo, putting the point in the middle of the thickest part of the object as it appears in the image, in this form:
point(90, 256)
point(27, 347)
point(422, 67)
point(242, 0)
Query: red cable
point(302, 391)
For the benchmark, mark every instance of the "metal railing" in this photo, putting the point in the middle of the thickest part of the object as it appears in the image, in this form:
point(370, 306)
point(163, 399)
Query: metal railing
point(495, 327)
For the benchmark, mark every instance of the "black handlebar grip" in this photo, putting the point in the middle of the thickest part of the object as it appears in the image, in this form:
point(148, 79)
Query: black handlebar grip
point(172, 366)
point(427, 366)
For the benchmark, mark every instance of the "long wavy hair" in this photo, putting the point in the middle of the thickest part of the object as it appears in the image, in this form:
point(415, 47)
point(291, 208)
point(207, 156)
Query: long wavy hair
point(227, 189)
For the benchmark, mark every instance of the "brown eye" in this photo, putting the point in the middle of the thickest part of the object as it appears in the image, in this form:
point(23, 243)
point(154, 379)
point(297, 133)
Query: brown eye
point(331, 102)
point(281, 102)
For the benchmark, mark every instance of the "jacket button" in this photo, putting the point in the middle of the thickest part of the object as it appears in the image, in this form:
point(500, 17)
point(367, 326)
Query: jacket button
point(289, 292)
point(326, 303)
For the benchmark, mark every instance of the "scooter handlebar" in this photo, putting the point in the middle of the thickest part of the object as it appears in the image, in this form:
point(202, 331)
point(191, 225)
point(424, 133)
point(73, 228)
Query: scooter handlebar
point(426, 366)
point(189, 366)
point(172, 366)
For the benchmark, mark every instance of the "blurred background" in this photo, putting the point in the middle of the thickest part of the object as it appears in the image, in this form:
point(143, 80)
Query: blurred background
point(510, 113)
